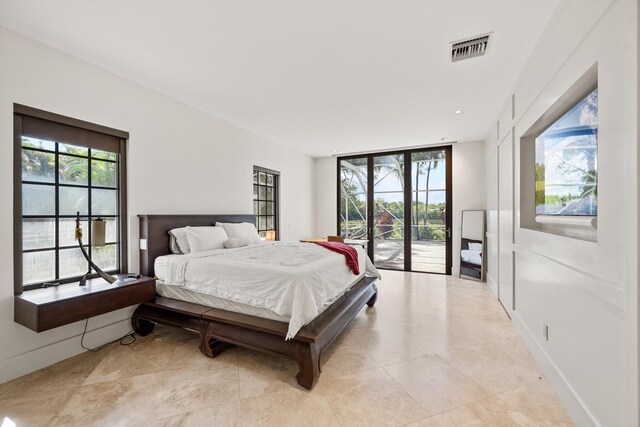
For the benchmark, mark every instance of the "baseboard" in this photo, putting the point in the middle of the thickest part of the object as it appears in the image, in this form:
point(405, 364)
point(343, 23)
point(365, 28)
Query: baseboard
point(576, 408)
point(25, 363)
point(493, 285)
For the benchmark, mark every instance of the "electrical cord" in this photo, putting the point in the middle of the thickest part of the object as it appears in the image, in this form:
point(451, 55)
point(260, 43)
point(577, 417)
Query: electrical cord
point(130, 334)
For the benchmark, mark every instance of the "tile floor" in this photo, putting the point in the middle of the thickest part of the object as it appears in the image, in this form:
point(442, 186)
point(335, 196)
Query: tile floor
point(434, 351)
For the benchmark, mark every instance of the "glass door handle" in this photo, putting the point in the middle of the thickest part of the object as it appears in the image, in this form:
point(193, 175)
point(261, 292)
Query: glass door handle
point(449, 232)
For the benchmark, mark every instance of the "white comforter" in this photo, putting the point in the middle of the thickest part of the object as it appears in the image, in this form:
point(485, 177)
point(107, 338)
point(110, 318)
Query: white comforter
point(297, 280)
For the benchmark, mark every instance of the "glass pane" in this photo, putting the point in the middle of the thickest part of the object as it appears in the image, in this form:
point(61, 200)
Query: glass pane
point(38, 233)
point(388, 210)
point(103, 202)
point(262, 178)
point(353, 198)
point(38, 166)
point(103, 174)
point(566, 166)
point(270, 180)
point(38, 267)
point(388, 173)
point(73, 200)
point(72, 263)
point(255, 177)
point(73, 170)
point(67, 232)
point(38, 143)
point(269, 193)
point(255, 191)
point(105, 257)
point(73, 149)
point(38, 199)
point(269, 208)
point(270, 223)
point(111, 233)
point(263, 208)
point(106, 155)
point(262, 193)
point(262, 223)
point(428, 171)
point(255, 207)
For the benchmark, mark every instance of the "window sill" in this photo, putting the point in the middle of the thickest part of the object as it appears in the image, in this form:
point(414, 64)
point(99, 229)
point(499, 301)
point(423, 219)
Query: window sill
point(568, 221)
point(44, 309)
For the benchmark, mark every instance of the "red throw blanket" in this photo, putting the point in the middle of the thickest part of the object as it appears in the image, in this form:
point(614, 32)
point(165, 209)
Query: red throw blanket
point(349, 252)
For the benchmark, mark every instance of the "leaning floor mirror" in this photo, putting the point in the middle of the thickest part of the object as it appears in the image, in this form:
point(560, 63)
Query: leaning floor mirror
point(472, 245)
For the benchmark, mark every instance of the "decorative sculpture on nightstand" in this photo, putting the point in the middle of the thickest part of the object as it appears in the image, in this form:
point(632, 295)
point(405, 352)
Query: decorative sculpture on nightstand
point(97, 239)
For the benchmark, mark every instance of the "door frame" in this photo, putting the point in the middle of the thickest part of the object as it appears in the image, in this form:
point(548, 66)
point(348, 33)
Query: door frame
point(407, 201)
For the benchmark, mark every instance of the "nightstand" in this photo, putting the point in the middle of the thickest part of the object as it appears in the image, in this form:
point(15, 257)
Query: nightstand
point(44, 309)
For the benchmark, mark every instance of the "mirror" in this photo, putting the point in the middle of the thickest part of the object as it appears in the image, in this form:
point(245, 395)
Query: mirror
point(472, 245)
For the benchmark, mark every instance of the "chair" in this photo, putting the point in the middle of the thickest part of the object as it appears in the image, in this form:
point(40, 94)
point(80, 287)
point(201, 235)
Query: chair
point(338, 239)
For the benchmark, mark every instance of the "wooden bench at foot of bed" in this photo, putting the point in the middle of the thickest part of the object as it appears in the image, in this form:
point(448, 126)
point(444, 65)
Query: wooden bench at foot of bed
point(218, 328)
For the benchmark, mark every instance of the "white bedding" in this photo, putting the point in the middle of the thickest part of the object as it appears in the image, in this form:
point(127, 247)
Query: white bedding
point(473, 257)
point(182, 294)
point(295, 280)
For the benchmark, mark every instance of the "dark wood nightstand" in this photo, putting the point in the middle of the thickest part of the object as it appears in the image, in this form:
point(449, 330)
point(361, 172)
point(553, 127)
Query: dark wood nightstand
point(44, 309)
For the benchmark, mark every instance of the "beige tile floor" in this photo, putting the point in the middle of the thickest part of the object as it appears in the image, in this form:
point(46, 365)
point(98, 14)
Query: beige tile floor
point(435, 351)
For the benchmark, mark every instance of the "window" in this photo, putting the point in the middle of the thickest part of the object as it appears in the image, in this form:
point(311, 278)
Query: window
point(566, 168)
point(64, 166)
point(559, 164)
point(266, 186)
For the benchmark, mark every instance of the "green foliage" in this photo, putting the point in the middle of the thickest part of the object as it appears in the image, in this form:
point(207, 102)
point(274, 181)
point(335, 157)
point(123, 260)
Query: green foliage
point(41, 165)
point(540, 197)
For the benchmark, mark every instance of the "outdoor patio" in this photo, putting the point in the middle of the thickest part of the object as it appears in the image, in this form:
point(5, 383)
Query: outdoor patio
point(426, 255)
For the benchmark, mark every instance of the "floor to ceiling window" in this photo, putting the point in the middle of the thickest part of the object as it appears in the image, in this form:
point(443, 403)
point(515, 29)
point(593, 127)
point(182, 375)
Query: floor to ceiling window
point(401, 203)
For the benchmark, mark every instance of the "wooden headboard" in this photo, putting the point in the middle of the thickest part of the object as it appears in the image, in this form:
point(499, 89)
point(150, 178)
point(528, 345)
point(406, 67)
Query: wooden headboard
point(154, 240)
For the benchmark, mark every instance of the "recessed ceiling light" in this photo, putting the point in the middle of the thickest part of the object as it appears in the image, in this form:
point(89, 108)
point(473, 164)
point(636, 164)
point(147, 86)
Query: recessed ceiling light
point(335, 151)
point(459, 111)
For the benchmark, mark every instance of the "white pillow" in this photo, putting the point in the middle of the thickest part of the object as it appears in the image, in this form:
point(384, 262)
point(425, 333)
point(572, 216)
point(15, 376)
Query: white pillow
point(240, 230)
point(475, 247)
point(180, 235)
point(173, 244)
point(206, 238)
point(235, 242)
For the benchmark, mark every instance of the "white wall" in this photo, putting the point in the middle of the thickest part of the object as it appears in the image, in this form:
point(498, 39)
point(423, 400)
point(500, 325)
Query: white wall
point(326, 196)
point(180, 160)
point(585, 291)
point(468, 191)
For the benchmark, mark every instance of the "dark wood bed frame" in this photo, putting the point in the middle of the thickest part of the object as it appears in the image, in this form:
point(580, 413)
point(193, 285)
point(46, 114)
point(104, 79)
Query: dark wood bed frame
point(219, 328)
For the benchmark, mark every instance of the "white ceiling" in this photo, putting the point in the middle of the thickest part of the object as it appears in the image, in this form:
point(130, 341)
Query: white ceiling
point(316, 75)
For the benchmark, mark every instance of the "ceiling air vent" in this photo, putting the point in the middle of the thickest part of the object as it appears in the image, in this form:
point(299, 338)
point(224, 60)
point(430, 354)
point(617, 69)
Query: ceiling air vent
point(469, 48)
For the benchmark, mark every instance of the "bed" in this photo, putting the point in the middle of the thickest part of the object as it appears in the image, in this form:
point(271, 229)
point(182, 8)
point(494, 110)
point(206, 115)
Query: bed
point(222, 296)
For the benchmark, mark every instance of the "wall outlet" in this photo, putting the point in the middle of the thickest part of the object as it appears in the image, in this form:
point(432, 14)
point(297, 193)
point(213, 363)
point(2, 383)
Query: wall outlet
point(545, 331)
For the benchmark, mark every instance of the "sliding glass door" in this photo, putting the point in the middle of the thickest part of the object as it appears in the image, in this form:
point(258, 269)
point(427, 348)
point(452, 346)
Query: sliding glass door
point(400, 202)
point(353, 189)
point(388, 211)
point(429, 228)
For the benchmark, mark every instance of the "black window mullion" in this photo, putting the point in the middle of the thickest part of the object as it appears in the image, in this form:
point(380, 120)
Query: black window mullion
point(56, 228)
point(408, 212)
point(89, 212)
point(118, 260)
